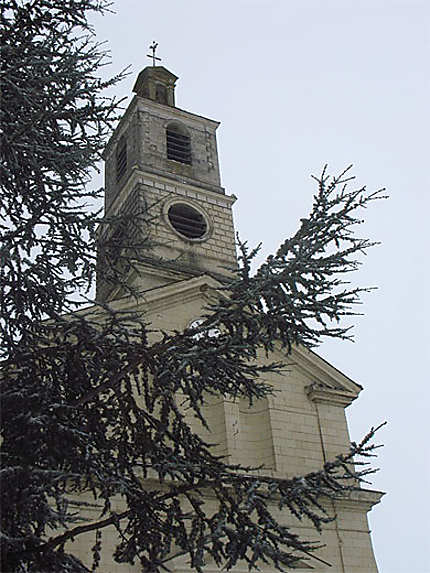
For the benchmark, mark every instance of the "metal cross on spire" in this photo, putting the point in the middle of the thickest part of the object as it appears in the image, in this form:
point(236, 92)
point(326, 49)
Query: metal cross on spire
point(153, 47)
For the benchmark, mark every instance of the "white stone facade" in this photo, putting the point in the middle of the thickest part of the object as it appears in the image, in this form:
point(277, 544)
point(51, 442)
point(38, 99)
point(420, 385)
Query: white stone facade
point(303, 423)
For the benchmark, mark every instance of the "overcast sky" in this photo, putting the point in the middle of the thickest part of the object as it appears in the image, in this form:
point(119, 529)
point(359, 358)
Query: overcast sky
point(300, 83)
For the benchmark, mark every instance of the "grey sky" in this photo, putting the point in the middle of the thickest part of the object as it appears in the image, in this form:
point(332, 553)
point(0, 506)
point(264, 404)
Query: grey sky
point(296, 84)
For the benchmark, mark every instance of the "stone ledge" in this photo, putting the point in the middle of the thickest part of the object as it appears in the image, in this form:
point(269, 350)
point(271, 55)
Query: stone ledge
point(360, 497)
point(323, 395)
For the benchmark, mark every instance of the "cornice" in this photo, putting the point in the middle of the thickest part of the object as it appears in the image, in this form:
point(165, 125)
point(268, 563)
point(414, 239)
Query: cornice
point(183, 291)
point(323, 395)
point(169, 295)
point(360, 498)
point(322, 373)
point(162, 183)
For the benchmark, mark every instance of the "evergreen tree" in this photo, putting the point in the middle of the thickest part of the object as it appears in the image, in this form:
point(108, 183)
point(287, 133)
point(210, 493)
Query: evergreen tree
point(88, 402)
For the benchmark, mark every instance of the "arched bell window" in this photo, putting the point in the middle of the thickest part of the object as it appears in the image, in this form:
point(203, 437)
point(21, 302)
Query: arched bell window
point(178, 143)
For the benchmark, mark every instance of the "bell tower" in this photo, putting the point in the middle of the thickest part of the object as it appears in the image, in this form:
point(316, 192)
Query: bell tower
point(162, 172)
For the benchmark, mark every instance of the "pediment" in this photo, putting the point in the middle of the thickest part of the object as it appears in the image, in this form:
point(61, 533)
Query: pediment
point(177, 292)
point(326, 382)
point(322, 381)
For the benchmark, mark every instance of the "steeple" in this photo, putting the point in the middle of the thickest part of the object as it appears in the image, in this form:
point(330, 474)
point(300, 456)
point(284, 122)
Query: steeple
point(163, 160)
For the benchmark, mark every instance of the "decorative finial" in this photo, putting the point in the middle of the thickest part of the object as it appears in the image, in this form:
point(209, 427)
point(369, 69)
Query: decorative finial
point(153, 47)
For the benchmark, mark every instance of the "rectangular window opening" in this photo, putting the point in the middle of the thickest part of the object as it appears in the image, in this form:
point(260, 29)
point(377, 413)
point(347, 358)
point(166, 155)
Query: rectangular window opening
point(121, 160)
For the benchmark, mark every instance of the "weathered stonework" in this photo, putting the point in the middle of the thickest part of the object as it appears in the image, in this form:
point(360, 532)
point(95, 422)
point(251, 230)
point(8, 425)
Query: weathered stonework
point(303, 423)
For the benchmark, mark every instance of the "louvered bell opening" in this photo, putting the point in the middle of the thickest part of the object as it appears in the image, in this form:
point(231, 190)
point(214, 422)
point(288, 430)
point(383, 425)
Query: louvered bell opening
point(178, 147)
point(187, 221)
point(121, 160)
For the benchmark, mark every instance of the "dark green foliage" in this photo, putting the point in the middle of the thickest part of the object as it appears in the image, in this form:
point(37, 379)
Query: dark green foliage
point(54, 125)
point(89, 405)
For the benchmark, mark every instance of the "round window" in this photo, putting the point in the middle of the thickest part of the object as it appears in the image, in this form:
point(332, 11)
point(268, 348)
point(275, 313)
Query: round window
point(187, 220)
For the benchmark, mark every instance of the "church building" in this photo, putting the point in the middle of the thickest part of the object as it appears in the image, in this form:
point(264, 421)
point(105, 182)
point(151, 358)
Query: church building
point(164, 161)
